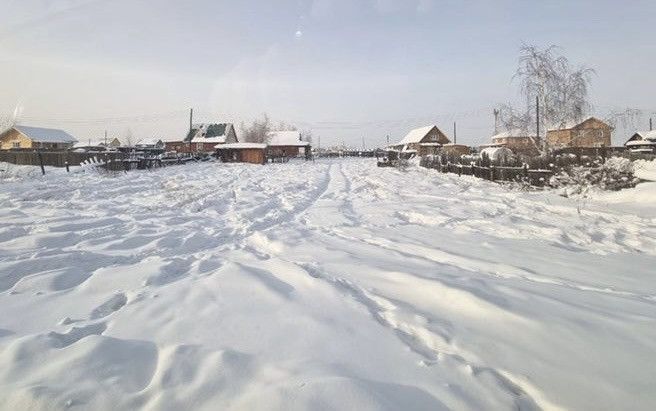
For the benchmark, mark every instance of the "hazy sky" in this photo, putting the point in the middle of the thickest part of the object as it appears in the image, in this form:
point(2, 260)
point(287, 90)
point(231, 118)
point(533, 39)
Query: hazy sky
point(347, 69)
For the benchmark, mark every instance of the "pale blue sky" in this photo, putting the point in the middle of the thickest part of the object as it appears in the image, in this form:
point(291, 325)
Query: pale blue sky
point(346, 69)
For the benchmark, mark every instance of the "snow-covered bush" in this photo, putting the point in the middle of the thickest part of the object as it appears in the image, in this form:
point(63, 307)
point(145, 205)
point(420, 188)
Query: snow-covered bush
point(615, 174)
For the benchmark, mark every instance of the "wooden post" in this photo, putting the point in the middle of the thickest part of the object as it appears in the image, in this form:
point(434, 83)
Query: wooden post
point(66, 164)
point(43, 169)
point(491, 172)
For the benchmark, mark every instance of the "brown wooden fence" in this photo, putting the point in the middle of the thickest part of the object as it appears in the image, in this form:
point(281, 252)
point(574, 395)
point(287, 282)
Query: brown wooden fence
point(535, 177)
point(57, 158)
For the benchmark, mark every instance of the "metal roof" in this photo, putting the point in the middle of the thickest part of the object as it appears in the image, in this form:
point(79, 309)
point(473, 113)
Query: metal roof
point(46, 135)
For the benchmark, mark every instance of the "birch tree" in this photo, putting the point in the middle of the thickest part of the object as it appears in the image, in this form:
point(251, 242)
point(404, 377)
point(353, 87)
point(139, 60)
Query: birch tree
point(548, 79)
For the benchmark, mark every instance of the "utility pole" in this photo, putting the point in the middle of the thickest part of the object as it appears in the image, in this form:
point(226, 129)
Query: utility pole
point(363, 145)
point(537, 118)
point(105, 137)
point(388, 139)
point(650, 127)
point(191, 118)
point(455, 138)
point(496, 113)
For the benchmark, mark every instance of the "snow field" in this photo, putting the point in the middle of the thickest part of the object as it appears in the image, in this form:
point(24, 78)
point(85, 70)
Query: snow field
point(333, 284)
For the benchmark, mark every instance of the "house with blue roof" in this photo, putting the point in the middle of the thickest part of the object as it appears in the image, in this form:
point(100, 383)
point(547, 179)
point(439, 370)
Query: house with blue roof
point(18, 137)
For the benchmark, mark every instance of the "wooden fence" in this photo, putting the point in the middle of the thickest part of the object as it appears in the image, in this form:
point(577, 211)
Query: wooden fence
point(535, 177)
point(57, 158)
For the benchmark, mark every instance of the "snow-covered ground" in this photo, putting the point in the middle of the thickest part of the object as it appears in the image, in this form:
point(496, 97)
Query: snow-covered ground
point(333, 284)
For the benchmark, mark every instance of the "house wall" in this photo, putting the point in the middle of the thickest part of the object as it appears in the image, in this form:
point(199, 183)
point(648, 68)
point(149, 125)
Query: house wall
point(254, 156)
point(245, 155)
point(591, 133)
point(11, 136)
point(284, 151)
point(177, 146)
point(435, 136)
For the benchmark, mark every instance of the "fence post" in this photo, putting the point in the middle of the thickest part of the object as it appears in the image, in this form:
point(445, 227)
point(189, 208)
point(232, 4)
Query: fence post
point(43, 169)
point(491, 172)
point(66, 164)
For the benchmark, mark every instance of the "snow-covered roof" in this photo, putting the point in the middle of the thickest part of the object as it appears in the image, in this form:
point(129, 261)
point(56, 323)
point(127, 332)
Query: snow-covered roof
point(209, 132)
point(46, 135)
point(234, 146)
point(416, 135)
point(87, 143)
point(647, 135)
point(149, 142)
point(515, 133)
point(286, 138)
point(217, 140)
point(571, 124)
point(430, 144)
point(640, 143)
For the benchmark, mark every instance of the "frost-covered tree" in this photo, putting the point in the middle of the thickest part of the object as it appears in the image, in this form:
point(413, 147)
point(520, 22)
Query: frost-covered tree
point(306, 135)
point(258, 131)
point(560, 89)
point(128, 138)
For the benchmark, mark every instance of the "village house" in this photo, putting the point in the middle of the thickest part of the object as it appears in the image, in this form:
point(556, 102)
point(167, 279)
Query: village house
point(149, 144)
point(97, 145)
point(287, 144)
point(254, 153)
point(203, 137)
point(517, 141)
point(642, 142)
point(591, 132)
point(21, 137)
point(422, 141)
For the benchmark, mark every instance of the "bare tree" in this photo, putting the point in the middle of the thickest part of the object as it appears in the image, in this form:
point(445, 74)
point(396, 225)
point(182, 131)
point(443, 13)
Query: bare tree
point(560, 89)
point(628, 118)
point(282, 126)
point(258, 131)
point(306, 135)
point(128, 138)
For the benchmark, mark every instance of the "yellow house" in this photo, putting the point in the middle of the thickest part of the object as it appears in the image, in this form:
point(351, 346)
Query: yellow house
point(35, 137)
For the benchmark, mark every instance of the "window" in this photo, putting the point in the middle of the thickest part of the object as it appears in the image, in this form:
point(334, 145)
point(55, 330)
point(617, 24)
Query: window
point(15, 144)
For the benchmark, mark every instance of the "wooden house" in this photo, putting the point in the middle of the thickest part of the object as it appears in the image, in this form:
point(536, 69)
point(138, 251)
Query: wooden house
point(97, 145)
point(287, 144)
point(149, 144)
point(203, 137)
point(642, 142)
point(591, 132)
point(517, 141)
point(255, 153)
point(18, 137)
point(422, 141)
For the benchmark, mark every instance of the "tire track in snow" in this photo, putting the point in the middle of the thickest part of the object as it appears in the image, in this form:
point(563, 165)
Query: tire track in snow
point(431, 346)
point(479, 265)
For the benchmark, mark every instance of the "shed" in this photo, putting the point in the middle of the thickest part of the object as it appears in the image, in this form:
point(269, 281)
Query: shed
point(520, 142)
point(254, 153)
point(287, 144)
